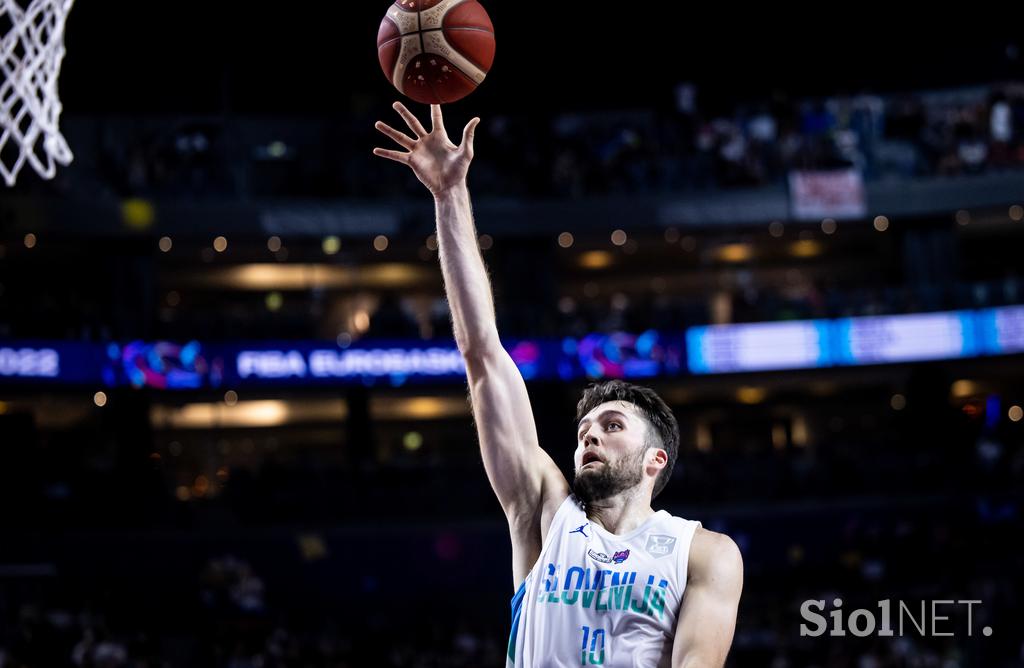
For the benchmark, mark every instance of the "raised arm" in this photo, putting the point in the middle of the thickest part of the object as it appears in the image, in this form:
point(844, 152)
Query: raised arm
point(526, 481)
point(711, 600)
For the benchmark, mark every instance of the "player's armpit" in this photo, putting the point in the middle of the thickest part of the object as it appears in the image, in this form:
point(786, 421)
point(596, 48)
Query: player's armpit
point(707, 619)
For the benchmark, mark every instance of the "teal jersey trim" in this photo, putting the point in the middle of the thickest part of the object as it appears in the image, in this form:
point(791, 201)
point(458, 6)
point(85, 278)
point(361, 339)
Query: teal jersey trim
point(517, 609)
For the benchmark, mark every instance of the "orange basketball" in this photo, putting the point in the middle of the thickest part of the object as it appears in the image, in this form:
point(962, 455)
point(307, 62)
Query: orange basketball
point(436, 51)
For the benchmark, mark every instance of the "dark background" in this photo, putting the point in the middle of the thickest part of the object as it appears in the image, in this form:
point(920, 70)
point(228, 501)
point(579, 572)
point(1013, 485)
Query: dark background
point(323, 540)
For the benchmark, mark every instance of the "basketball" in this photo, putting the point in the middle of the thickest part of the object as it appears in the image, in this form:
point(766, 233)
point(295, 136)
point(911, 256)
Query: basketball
point(436, 51)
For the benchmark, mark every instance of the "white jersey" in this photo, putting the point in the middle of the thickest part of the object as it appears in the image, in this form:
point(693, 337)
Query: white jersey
point(594, 598)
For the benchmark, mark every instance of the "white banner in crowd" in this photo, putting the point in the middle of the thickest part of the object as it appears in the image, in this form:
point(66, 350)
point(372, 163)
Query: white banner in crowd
point(837, 194)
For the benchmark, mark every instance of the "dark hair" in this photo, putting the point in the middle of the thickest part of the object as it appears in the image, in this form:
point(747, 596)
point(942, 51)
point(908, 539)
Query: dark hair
point(651, 406)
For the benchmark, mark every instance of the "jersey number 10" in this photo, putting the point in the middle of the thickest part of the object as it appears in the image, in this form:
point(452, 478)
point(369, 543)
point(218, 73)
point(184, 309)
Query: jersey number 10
point(595, 657)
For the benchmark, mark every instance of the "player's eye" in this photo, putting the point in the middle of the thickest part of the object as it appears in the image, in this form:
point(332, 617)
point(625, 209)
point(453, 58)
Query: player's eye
point(614, 424)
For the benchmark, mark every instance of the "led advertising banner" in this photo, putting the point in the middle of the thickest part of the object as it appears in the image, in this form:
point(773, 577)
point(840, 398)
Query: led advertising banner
point(393, 363)
point(50, 363)
point(1001, 330)
point(763, 346)
point(905, 338)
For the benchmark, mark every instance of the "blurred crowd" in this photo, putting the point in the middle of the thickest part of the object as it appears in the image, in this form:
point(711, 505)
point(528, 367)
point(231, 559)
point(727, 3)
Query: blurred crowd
point(741, 301)
point(885, 443)
point(76, 312)
point(911, 499)
point(219, 622)
point(866, 504)
point(223, 619)
point(685, 147)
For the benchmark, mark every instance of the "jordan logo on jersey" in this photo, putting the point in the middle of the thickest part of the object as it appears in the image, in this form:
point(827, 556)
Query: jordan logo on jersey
point(660, 546)
point(580, 529)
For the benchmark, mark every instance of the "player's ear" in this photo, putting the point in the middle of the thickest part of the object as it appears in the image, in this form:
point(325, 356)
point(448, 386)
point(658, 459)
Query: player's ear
point(657, 457)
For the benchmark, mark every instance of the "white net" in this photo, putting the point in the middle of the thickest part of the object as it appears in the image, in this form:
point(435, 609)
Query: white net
point(31, 51)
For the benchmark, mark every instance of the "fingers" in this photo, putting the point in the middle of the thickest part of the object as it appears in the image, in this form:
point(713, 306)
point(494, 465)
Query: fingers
point(402, 139)
point(436, 118)
point(469, 134)
point(397, 156)
point(410, 120)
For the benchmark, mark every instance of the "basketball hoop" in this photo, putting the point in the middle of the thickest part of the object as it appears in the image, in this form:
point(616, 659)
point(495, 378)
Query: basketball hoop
point(31, 50)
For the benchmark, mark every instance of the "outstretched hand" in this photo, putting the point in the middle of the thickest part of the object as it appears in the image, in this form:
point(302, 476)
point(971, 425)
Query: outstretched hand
point(437, 162)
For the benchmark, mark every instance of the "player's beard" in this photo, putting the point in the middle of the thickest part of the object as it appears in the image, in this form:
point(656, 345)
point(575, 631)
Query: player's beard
point(609, 478)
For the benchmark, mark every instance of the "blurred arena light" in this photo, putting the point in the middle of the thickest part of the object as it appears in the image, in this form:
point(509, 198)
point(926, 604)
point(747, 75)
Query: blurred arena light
point(277, 413)
point(596, 260)
point(734, 253)
point(779, 438)
point(259, 413)
point(799, 432)
point(418, 408)
point(331, 245)
point(276, 150)
point(963, 389)
point(702, 437)
point(412, 441)
point(138, 213)
point(260, 277)
point(751, 395)
point(806, 248)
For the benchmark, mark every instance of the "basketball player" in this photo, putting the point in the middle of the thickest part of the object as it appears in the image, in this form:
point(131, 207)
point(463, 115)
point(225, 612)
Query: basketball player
point(602, 579)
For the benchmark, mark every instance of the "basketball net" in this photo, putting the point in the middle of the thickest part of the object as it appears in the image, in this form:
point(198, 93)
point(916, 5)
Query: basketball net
point(31, 50)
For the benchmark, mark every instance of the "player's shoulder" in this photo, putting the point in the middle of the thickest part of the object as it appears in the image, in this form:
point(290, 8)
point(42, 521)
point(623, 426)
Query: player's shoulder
point(714, 555)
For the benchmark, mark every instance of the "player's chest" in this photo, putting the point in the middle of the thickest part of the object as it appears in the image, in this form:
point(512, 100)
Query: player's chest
point(593, 572)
